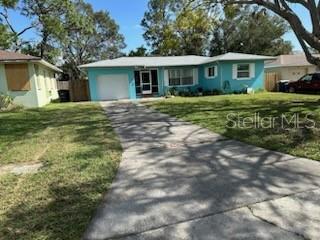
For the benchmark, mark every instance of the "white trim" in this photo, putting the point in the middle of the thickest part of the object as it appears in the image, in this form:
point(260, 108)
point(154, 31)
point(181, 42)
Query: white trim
point(251, 71)
point(150, 82)
point(207, 71)
point(166, 77)
point(180, 69)
point(195, 76)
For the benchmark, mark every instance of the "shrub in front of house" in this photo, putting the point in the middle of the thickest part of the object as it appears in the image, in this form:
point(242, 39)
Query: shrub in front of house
point(5, 101)
point(212, 92)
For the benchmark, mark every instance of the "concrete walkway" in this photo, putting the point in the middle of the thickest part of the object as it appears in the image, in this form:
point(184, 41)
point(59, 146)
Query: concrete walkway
point(180, 181)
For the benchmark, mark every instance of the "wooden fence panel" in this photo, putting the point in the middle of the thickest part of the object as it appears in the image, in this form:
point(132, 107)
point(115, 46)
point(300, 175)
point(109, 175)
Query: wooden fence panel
point(271, 81)
point(63, 85)
point(79, 90)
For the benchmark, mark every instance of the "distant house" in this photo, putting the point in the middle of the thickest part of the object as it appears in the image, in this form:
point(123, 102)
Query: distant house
point(137, 77)
point(29, 80)
point(290, 67)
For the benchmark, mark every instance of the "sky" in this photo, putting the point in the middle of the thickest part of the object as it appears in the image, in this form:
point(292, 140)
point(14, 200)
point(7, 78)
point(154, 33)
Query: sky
point(128, 15)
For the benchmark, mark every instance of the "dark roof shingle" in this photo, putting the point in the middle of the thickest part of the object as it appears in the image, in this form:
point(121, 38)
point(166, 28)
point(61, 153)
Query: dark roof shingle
point(14, 56)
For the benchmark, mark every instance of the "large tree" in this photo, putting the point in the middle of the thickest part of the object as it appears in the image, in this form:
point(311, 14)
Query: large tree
point(174, 28)
point(250, 30)
point(10, 37)
point(309, 38)
point(47, 17)
point(139, 52)
point(193, 28)
point(91, 36)
point(156, 22)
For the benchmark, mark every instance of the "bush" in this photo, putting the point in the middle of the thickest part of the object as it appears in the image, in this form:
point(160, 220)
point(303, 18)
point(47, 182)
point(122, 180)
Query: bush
point(5, 101)
point(260, 90)
point(173, 91)
point(212, 92)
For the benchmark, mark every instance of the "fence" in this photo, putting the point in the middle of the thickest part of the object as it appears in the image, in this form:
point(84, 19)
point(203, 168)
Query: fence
point(271, 80)
point(79, 90)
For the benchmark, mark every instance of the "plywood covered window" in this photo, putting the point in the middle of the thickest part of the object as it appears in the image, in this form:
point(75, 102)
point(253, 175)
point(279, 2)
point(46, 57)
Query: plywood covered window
point(17, 77)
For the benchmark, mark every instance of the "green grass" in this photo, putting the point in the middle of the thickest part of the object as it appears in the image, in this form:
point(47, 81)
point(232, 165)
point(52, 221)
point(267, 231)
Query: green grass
point(211, 112)
point(80, 153)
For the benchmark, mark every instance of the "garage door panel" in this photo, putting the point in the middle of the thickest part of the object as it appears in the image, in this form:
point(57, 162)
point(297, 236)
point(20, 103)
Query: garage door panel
point(112, 87)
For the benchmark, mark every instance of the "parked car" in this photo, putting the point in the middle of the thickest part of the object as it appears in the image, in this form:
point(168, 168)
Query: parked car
point(308, 83)
point(283, 85)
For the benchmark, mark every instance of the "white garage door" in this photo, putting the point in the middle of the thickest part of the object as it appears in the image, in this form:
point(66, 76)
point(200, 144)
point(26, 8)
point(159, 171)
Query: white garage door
point(111, 87)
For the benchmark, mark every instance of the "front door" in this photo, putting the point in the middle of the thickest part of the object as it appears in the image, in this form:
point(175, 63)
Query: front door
point(146, 82)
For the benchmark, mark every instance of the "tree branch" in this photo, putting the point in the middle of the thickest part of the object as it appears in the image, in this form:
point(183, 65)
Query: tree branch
point(282, 8)
point(286, 13)
point(301, 2)
point(24, 30)
point(314, 13)
point(312, 59)
point(6, 18)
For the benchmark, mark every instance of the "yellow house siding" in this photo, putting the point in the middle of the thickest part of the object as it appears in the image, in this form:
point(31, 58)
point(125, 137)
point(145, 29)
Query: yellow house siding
point(46, 90)
point(25, 98)
point(40, 92)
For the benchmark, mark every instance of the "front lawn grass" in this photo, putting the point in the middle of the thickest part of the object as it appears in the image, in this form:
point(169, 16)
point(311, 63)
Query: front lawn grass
point(212, 113)
point(80, 155)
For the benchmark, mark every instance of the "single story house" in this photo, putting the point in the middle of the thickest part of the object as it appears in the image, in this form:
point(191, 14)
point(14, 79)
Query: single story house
point(29, 80)
point(290, 67)
point(135, 77)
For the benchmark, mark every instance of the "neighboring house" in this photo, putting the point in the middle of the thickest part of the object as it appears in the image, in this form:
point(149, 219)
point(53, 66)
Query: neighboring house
point(29, 80)
point(290, 67)
point(135, 77)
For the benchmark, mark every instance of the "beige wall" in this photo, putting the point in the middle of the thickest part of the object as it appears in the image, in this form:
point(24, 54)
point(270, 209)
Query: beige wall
point(292, 73)
point(43, 87)
point(46, 85)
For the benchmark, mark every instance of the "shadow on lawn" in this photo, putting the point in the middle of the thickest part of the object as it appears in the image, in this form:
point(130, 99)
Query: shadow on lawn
point(203, 175)
point(214, 116)
point(58, 202)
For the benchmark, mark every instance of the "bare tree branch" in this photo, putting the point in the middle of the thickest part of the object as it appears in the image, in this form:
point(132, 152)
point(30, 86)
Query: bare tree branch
point(314, 13)
point(6, 18)
point(281, 7)
point(302, 2)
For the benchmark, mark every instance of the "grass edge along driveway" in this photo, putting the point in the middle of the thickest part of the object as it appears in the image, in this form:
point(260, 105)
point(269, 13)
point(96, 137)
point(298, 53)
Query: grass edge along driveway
point(212, 113)
point(80, 154)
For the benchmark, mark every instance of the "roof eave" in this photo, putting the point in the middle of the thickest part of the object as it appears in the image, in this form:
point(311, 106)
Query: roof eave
point(49, 65)
point(36, 60)
point(287, 65)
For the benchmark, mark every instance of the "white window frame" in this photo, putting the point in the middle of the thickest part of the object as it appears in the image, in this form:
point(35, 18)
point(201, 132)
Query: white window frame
point(180, 70)
point(251, 71)
point(215, 72)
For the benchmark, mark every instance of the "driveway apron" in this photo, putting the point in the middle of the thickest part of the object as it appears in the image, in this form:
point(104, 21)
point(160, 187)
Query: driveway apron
point(177, 180)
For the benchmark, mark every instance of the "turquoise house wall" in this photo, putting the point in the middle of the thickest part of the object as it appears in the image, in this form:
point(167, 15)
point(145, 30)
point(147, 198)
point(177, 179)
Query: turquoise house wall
point(224, 73)
point(209, 83)
point(93, 73)
point(236, 85)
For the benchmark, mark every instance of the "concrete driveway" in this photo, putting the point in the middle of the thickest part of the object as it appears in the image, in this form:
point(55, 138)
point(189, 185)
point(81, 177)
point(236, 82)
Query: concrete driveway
point(180, 181)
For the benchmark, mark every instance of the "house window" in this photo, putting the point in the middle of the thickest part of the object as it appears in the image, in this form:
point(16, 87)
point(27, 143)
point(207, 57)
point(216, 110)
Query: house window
point(243, 71)
point(211, 72)
point(180, 77)
point(17, 76)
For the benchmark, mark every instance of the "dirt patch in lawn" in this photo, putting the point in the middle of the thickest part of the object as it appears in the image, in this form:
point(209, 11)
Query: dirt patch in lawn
point(21, 168)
